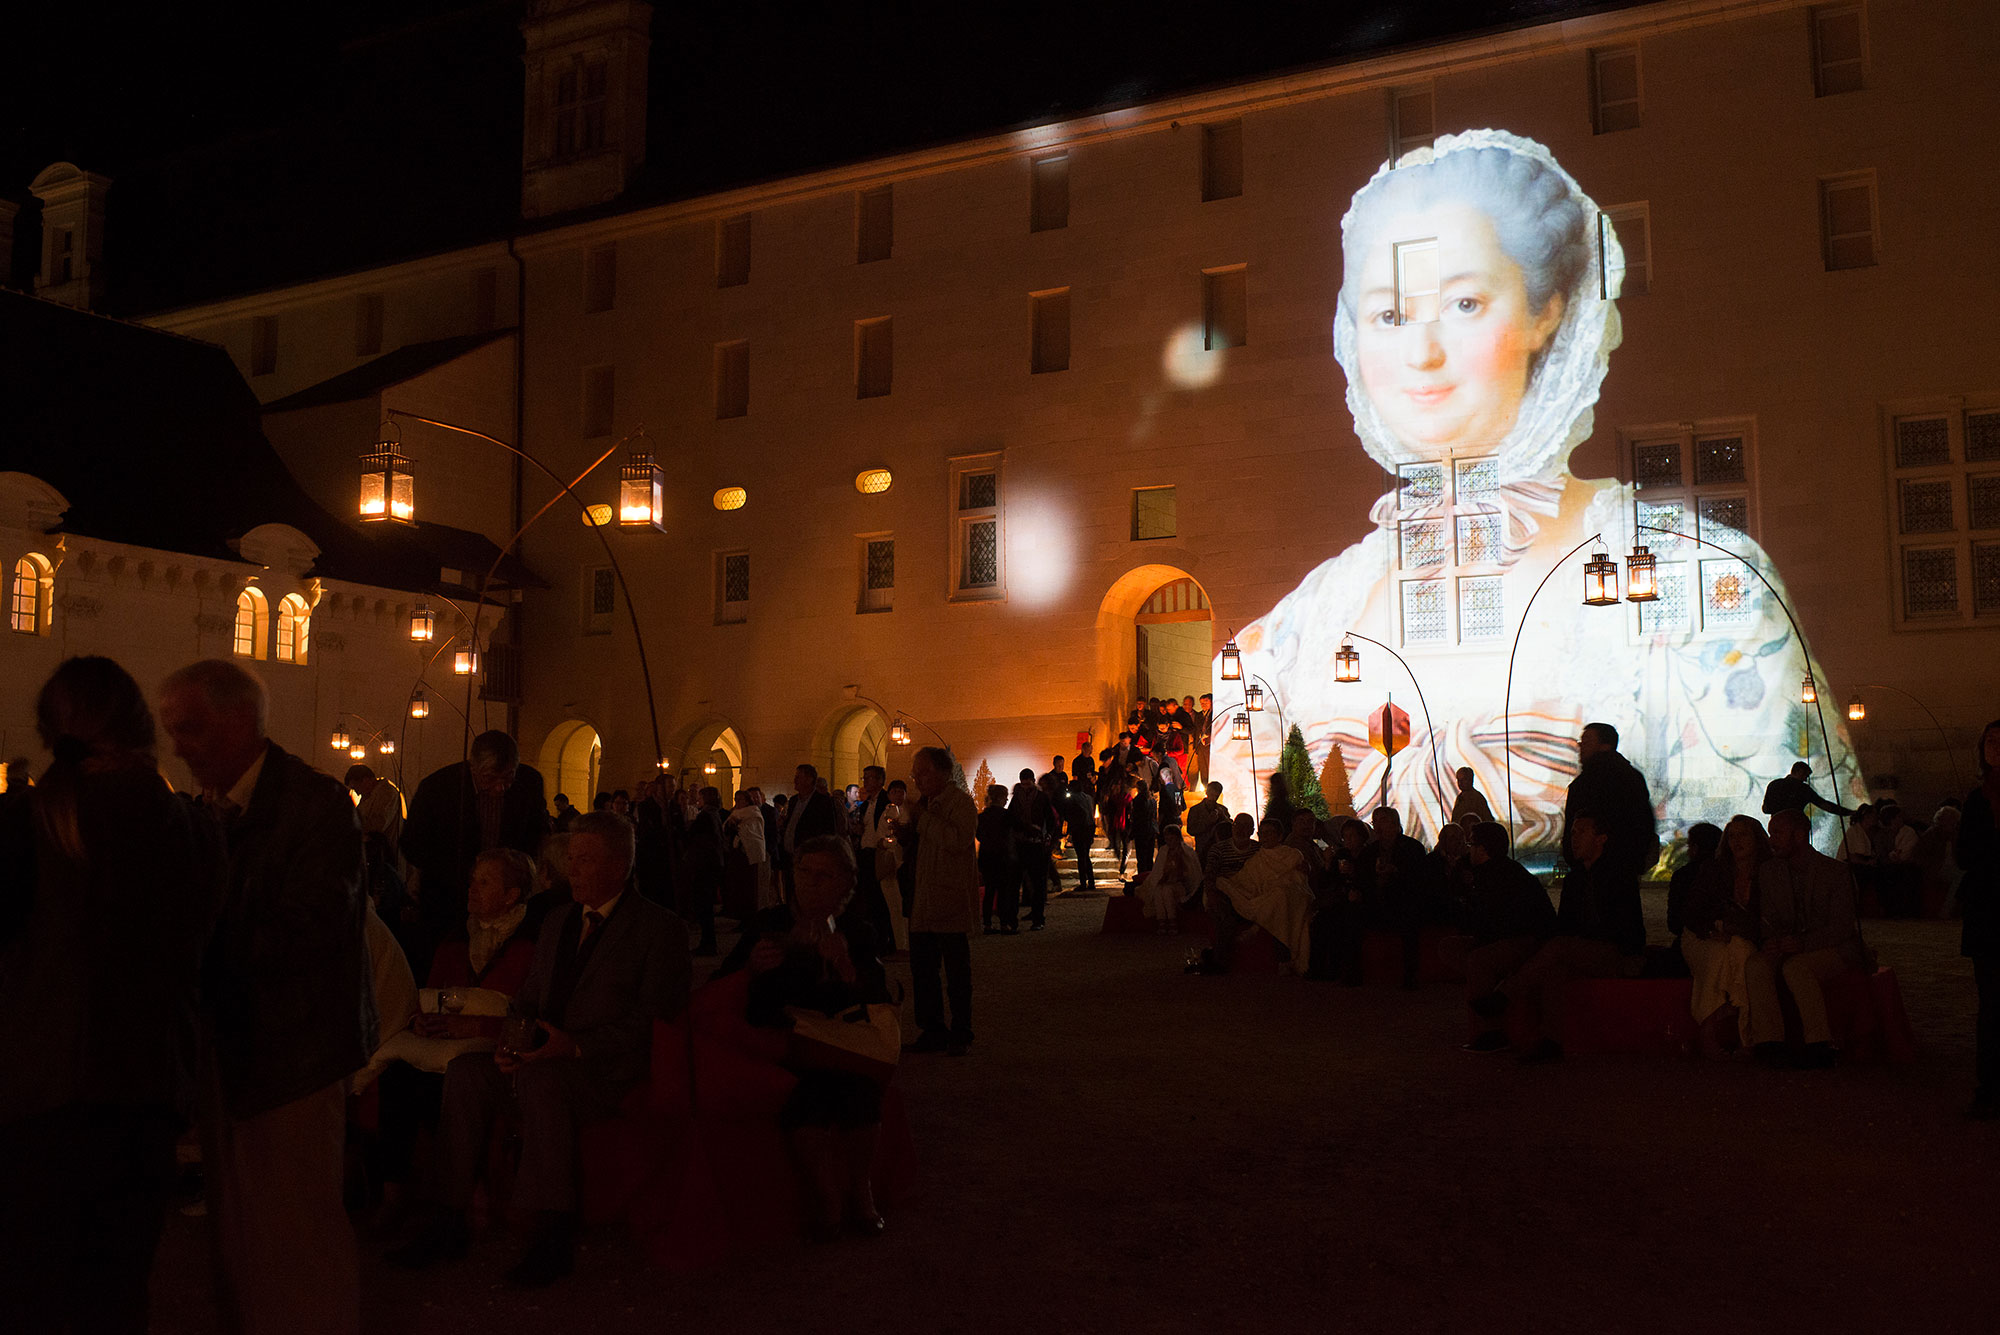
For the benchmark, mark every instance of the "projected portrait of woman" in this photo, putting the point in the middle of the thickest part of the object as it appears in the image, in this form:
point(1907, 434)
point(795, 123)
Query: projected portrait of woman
point(1475, 323)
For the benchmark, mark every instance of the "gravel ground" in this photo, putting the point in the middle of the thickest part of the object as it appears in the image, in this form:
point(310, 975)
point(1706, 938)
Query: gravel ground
point(1128, 1148)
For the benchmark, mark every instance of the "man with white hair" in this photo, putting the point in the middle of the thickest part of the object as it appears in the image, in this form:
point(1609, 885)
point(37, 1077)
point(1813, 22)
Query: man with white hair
point(289, 1009)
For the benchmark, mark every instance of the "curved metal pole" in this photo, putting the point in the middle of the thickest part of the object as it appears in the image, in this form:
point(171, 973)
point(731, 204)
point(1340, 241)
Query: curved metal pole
point(1284, 736)
point(638, 638)
point(1507, 701)
point(1884, 686)
point(1251, 737)
point(1436, 766)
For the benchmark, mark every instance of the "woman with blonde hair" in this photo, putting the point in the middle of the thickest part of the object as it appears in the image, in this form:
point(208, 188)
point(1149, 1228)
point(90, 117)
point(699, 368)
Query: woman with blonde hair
point(1720, 931)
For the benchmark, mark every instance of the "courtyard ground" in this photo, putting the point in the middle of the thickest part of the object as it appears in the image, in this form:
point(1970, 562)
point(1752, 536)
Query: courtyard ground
point(1128, 1148)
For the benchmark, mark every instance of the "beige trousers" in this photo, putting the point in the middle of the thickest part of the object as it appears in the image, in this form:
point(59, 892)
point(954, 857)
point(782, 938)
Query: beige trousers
point(1718, 967)
point(284, 1251)
point(1803, 975)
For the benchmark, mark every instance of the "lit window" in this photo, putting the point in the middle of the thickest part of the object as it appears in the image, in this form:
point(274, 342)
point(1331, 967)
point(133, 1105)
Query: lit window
point(1847, 220)
point(878, 573)
point(1614, 88)
point(731, 498)
point(294, 629)
point(1945, 470)
point(31, 605)
point(1630, 275)
point(978, 548)
point(1693, 487)
point(873, 481)
point(732, 587)
point(252, 624)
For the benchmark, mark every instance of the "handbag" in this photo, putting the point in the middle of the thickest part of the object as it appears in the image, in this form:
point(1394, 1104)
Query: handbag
point(864, 1040)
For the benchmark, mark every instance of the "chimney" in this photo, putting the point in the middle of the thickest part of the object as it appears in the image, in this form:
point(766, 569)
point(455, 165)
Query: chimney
point(72, 261)
point(583, 131)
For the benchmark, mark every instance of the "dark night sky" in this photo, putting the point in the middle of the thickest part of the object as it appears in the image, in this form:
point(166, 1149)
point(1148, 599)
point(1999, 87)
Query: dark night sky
point(251, 145)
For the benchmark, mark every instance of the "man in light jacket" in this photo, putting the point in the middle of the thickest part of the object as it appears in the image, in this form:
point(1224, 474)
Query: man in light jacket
point(1810, 934)
point(947, 904)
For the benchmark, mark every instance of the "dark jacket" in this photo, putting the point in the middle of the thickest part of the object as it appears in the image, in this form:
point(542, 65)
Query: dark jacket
point(1811, 896)
point(822, 815)
point(996, 834)
point(289, 988)
point(1142, 821)
point(1711, 899)
point(1789, 794)
point(1978, 853)
point(1080, 813)
point(101, 983)
point(637, 971)
point(1507, 902)
point(1614, 794)
point(803, 979)
point(1601, 903)
point(441, 836)
point(1406, 887)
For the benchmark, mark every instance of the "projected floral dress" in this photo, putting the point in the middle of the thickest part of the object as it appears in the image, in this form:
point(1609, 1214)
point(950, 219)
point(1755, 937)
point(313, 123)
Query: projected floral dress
point(1475, 325)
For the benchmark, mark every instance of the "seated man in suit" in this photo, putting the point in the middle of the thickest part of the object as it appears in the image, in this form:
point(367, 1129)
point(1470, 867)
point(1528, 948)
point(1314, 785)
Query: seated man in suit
point(1810, 935)
point(605, 968)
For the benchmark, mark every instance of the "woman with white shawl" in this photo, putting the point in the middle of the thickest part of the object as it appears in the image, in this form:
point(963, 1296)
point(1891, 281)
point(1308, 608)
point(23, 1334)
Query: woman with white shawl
point(1175, 877)
point(1475, 324)
point(1271, 890)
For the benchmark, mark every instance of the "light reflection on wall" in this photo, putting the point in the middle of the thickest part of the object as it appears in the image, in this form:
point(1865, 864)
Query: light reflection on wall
point(1041, 548)
point(1187, 363)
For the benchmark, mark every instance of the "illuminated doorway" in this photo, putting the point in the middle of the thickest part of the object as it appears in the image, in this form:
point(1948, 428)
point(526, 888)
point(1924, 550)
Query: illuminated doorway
point(852, 737)
point(572, 760)
point(1155, 636)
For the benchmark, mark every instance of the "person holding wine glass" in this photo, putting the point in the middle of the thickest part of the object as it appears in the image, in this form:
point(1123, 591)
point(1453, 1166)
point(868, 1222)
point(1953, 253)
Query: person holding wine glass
point(578, 1039)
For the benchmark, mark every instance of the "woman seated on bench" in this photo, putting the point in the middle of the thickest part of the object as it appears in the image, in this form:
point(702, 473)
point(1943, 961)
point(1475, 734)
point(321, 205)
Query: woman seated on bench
point(812, 955)
point(1720, 931)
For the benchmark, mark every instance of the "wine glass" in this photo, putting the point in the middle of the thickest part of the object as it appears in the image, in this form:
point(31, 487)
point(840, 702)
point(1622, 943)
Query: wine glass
point(517, 1035)
point(451, 1001)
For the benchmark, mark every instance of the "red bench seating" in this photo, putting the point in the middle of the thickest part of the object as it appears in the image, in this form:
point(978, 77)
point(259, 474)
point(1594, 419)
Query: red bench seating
point(1651, 1017)
point(1382, 958)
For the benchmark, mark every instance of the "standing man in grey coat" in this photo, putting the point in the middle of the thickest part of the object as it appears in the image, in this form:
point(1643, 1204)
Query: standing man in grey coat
point(289, 1010)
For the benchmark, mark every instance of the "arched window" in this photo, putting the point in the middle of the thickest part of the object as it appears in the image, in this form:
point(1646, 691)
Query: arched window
point(253, 624)
point(294, 629)
point(31, 605)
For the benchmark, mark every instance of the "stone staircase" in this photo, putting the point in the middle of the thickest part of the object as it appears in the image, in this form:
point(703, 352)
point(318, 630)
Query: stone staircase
point(1104, 867)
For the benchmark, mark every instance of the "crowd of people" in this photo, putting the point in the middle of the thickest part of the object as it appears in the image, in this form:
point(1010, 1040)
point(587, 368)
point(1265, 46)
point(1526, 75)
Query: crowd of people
point(245, 958)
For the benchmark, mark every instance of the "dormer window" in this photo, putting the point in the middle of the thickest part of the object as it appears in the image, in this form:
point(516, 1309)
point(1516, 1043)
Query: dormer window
point(579, 108)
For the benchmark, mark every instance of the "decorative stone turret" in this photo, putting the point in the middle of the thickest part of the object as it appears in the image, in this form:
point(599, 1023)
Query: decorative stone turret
point(584, 124)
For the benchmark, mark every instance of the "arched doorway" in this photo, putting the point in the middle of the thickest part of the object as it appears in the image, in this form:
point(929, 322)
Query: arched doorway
point(1155, 636)
point(715, 745)
point(571, 760)
point(852, 737)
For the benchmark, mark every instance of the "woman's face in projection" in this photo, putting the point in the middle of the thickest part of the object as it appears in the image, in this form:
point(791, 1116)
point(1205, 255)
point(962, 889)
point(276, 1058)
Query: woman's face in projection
point(1445, 358)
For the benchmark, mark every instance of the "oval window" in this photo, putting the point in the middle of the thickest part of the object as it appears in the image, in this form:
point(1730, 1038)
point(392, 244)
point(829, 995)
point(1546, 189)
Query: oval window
point(873, 482)
point(597, 516)
point(731, 498)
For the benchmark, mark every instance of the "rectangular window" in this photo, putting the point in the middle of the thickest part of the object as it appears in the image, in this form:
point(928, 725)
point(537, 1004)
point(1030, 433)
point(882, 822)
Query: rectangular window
point(1412, 121)
point(1418, 282)
point(1423, 611)
point(1614, 88)
point(62, 255)
point(1946, 522)
point(1839, 50)
point(577, 102)
point(978, 546)
point(732, 251)
point(874, 224)
point(599, 600)
point(1695, 482)
point(1847, 220)
point(264, 345)
point(1049, 335)
point(1048, 194)
point(1221, 160)
point(1153, 513)
point(600, 277)
point(732, 379)
point(1631, 274)
point(485, 299)
point(874, 358)
point(732, 587)
point(599, 401)
point(368, 312)
point(878, 573)
point(1225, 308)
point(1481, 618)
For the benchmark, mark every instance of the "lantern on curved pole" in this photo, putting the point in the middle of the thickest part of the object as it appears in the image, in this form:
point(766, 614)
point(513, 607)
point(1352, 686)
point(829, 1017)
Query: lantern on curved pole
point(340, 739)
point(640, 503)
point(1253, 698)
point(420, 704)
point(1347, 662)
point(1239, 728)
point(388, 486)
point(423, 625)
point(1232, 660)
point(1642, 579)
point(1808, 690)
point(1600, 580)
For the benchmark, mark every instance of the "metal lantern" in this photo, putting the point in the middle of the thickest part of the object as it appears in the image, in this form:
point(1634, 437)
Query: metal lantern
point(423, 626)
point(340, 738)
point(1347, 662)
point(464, 662)
point(1253, 698)
point(663, 764)
point(1232, 661)
point(1856, 711)
point(1642, 582)
point(708, 768)
point(358, 751)
point(1600, 581)
point(899, 733)
point(388, 487)
point(386, 747)
point(1239, 728)
point(1808, 692)
point(420, 704)
point(639, 500)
